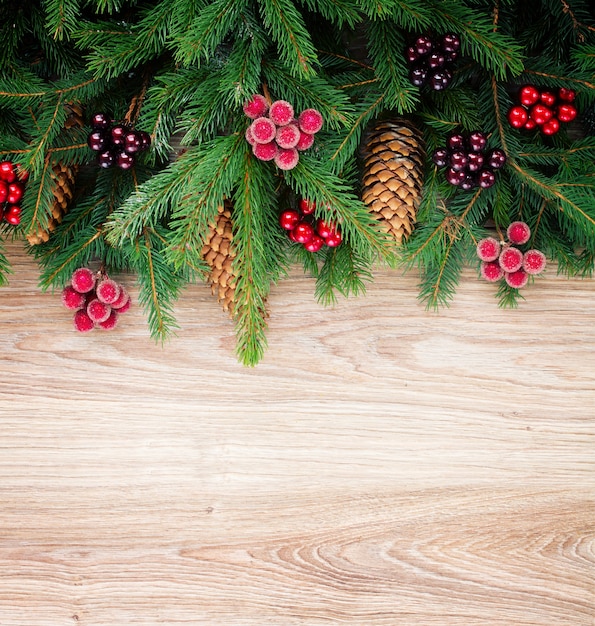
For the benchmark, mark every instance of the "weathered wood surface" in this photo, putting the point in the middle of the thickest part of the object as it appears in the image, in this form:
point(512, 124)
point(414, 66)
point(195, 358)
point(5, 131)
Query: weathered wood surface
point(382, 465)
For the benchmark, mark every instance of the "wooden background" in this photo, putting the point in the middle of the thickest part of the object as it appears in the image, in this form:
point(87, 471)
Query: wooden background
point(382, 465)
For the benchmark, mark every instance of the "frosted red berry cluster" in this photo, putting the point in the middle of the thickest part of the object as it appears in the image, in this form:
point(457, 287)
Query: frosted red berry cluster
point(543, 109)
point(505, 260)
point(275, 134)
point(12, 187)
point(311, 233)
point(97, 301)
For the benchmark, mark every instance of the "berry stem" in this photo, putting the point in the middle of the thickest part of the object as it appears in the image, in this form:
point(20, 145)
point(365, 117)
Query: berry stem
point(266, 93)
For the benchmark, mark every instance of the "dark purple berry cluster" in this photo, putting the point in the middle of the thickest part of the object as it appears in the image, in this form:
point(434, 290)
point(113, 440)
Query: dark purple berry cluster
point(430, 61)
point(116, 144)
point(468, 164)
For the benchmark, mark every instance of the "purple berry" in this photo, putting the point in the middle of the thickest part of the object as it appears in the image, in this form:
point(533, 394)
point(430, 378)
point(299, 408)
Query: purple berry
point(132, 142)
point(440, 157)
point(145, 140)
point(451, 42)
point(124, 160)
point(456, 142)
point(458, 160)
point(468, 183)
point(106, 159)
point(423, 45)
point(118, 133)
point(477, 141)
point(496, 158)
point(486, 179)
point(436, 60)
point(441, 79)
point(474, 161)
point(100, 121)
point(450, 57)
point(418, 76)
point(97, 141)
point(411, 55)
point(455, 177)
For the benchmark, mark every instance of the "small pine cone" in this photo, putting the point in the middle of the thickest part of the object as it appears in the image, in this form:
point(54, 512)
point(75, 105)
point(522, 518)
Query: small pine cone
point(393, 175)
point(219, 253)
point(75, 116)
point(64, 176)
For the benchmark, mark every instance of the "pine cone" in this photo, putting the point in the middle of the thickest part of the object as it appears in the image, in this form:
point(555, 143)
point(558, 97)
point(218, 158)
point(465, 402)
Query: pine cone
point(64, 176)
point(218, 252)
point(393, 175)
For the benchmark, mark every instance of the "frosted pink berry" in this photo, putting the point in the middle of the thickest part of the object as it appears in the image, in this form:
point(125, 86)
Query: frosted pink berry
point(257, 106)
point(107, 291)
point(306, 140)
point(516, 279)
point(263, 130)
point(534, 261)
point(82, 322)
point(249, 136)
point(98, 311)
point(491, 271)
point(281, 112)
point(511, 259)
point(310, 121)
point(83, 280)
point(265, 151)
point(110, 323)
point(287, 136)
point(287, 159)
point(72, 299)
point(518, 233)
point(488, 249)
point(123, 299)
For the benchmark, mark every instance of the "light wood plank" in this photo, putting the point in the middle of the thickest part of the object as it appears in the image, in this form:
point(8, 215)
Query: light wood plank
point(382, 465)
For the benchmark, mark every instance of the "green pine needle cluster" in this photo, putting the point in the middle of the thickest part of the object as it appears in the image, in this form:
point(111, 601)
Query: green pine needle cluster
point(182, 69)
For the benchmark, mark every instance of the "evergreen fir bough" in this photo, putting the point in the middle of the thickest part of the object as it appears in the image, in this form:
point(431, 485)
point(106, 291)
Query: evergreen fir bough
point(181, 70)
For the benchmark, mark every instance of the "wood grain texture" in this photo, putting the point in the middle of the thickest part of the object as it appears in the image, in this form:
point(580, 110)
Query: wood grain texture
point(383, 465)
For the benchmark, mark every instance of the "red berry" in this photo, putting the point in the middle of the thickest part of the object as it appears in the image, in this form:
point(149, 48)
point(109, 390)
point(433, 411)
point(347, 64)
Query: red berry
point(123, 298)
point(123, 304)
point(303, 232)
point(288, 136)
point(72, 299)
point(310, 121)
point(83, 280)
point(551, 127)
point(107, 291)
point(3, 191)
point(98, 311)
point(7, 172)
point(12, 214)
point(263, 130)
point(566, 112)
point(516, 279)
point(530, 125)
point(534, 261)
point(305, 142)
point(265, 151)
point(566, 95)
point(315, 243)
point(82, 322)
point(334, 240)
point(528, 95)
point(491, 271)
point(517, 116)
point(287, 159)
point(281, 112)
point(110, 323)
point(488, 249)
point(257, 106)
point(548, 98)
point(324, 229)
point(22, 175)
point(518, 233)
point(249, 136)
point(510, 259)
point(288, 219)
point(15, 193)
point(540, 114)
point(307, 206)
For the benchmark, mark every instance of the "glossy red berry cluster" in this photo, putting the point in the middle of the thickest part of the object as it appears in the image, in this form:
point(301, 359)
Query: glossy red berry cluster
point(506, 260)
point(430, 60)
point(312, 233)
point(97, 301)
point(12, 187)
point(275, 134)
point(467, 161)
point(544, 109)
point(116, 144)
